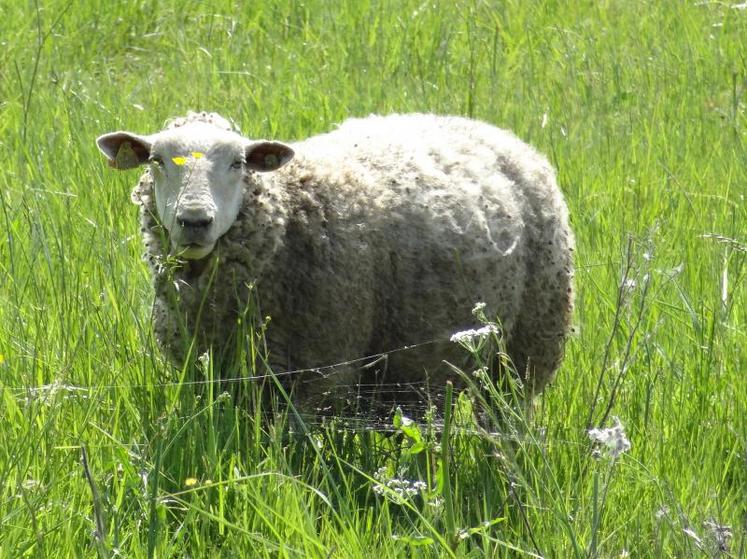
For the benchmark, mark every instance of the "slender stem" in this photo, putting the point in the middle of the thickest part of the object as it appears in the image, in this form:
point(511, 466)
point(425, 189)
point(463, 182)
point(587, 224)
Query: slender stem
point(98, 513)
point(446, 466)
point(41, 39)
point(615, 326)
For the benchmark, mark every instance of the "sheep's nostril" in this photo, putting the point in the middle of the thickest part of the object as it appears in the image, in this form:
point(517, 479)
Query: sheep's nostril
point(194, 223)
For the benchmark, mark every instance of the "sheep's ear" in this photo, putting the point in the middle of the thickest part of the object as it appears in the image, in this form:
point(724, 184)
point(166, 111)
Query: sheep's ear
point(124, 150)
point(267, 156)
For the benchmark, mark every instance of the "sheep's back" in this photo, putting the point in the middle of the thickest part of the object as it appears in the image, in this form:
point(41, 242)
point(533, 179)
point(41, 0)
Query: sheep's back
point(431, 215)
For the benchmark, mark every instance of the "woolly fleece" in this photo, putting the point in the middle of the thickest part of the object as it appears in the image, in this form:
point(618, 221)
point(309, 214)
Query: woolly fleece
point(381, 234)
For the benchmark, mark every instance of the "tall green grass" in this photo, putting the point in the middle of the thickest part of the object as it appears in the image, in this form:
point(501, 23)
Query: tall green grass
point(641, 107)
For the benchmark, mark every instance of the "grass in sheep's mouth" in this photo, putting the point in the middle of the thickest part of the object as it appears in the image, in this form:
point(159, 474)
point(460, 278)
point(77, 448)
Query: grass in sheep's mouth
point(190, 246)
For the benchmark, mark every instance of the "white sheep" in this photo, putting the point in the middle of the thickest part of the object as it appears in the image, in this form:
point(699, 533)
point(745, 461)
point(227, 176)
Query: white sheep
point(378, 235)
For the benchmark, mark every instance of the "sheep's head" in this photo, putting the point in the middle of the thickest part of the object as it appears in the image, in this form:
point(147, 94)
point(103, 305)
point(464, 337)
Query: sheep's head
point(198, 170)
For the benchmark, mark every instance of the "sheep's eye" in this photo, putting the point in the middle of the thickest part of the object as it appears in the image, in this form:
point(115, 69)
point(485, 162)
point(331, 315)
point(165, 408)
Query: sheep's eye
point(156, 160)
point(237, 164)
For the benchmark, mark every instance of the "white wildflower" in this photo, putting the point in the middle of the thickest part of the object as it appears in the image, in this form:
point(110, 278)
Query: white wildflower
point(629, 284)
point(436, 502)
point(479, 308)
point(204, 361)
point(613, 440)
point(482, 376)
point(397, 490)
point(719, 535)
point(381, 473)
point(51, 394)
point(468, 336)
point(30, 484)
point(672, 272)
point(144, 480)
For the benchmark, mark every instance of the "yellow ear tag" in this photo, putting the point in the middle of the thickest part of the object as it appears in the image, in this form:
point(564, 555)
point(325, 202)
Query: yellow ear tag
point(197, 154)
point(179, 160)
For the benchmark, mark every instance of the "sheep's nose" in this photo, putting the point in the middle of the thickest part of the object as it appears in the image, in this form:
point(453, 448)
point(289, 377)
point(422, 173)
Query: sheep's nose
point(194, 218)
point(192, 222)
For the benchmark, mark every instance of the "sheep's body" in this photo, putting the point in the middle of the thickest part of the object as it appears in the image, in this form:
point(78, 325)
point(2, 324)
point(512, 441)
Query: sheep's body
point(381, 234)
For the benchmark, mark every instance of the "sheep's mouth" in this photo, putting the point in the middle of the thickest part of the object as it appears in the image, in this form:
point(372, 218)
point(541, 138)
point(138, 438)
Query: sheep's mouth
point(194, 251)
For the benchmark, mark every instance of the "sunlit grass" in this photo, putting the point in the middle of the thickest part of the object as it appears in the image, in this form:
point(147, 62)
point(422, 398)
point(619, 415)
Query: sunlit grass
point(640, 106)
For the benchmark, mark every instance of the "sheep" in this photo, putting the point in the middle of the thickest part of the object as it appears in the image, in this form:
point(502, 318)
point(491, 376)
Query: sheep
point(378, 235)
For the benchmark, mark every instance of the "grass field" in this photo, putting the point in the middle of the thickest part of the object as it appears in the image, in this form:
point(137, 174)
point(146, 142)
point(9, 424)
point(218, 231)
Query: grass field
point(641, 106)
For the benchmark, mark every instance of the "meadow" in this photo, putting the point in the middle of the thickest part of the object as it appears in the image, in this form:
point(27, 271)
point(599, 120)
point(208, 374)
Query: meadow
point(642, 107)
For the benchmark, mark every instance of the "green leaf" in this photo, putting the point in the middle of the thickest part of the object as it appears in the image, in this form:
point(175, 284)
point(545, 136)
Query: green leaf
point(416, 541)
point(417, 448)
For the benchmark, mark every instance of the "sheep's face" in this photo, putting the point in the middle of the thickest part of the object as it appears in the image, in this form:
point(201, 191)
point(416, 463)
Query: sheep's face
point(198, 171)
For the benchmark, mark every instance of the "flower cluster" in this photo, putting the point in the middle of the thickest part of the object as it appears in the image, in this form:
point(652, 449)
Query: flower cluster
point(719, 535)
point(469, 336)
point(612, 440)
point(396, 489)
point(204, 361)
point(479, 309)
